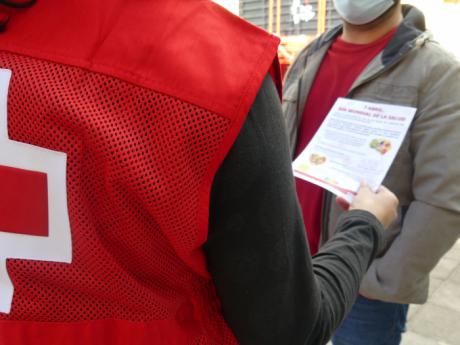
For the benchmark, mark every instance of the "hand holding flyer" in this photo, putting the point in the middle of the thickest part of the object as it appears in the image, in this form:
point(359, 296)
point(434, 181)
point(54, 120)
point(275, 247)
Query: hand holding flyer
point(357, 141)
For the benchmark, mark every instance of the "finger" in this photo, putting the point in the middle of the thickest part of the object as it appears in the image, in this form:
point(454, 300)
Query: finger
point(383, 189)
point(386, 191)
point(344, 204)
point(364, 188)
point(364, 184)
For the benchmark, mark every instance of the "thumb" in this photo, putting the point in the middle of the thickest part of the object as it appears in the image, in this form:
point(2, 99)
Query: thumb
point(364, 184)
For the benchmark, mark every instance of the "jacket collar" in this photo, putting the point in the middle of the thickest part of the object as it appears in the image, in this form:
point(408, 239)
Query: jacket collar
point(412, 26)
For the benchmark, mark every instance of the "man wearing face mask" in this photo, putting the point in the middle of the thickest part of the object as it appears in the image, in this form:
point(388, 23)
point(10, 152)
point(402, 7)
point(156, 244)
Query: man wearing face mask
point(383, 54)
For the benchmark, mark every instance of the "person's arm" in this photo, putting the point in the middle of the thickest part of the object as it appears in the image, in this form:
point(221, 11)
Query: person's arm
point(271, 290)
point(431, 225)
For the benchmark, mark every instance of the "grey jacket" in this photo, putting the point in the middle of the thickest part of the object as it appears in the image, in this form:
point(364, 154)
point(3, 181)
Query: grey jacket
point(412, 70)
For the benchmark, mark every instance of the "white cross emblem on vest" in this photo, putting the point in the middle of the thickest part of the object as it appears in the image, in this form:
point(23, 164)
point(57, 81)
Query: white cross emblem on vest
point(34, 221)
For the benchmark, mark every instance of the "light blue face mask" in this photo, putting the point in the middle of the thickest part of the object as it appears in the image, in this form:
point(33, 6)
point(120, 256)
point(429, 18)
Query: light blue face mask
point(359, 12)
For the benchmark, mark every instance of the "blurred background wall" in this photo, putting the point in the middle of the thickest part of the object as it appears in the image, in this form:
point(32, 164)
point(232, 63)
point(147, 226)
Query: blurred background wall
point(297, 22)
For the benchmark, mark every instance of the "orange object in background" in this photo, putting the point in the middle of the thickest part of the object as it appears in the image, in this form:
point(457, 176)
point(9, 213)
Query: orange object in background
point(289, 48)
point(296, 22)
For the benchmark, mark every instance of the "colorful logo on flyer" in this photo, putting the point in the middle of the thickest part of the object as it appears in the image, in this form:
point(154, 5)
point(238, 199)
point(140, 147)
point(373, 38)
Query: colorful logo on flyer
point(381, 145)
point(317, 159)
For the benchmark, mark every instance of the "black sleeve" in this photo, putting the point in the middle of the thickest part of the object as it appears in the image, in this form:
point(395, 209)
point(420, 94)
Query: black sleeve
point(272, 292)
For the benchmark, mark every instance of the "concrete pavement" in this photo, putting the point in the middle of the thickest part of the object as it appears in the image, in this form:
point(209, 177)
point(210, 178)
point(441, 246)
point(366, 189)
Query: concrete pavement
point(438, 321)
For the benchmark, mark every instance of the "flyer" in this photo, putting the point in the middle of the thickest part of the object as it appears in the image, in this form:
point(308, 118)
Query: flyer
point(357, 141)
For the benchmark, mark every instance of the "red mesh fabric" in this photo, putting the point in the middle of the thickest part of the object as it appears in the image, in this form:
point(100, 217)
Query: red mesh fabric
point(136, 163)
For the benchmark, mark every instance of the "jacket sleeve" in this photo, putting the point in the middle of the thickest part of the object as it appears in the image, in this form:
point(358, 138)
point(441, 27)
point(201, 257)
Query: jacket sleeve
point(272, 292)
point(432, 222)
point(290, 105)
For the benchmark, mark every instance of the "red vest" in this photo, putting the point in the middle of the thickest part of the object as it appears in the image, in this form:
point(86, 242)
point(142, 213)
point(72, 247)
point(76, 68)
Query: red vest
point(144, 99)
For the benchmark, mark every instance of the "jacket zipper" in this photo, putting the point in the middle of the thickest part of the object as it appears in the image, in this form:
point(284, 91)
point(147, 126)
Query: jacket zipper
point(325, 209)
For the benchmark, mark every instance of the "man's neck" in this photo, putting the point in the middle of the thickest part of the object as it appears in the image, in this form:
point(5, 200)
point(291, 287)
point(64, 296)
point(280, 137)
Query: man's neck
point(368, 33)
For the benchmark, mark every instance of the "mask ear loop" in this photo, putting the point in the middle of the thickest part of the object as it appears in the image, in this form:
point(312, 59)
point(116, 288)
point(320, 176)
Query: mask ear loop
point(17, 3)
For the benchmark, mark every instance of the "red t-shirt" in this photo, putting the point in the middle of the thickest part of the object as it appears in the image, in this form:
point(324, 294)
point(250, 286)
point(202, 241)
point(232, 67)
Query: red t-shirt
point(341, 66)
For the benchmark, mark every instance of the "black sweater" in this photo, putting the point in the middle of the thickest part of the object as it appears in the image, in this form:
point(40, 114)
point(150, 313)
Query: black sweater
point(272, 292)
